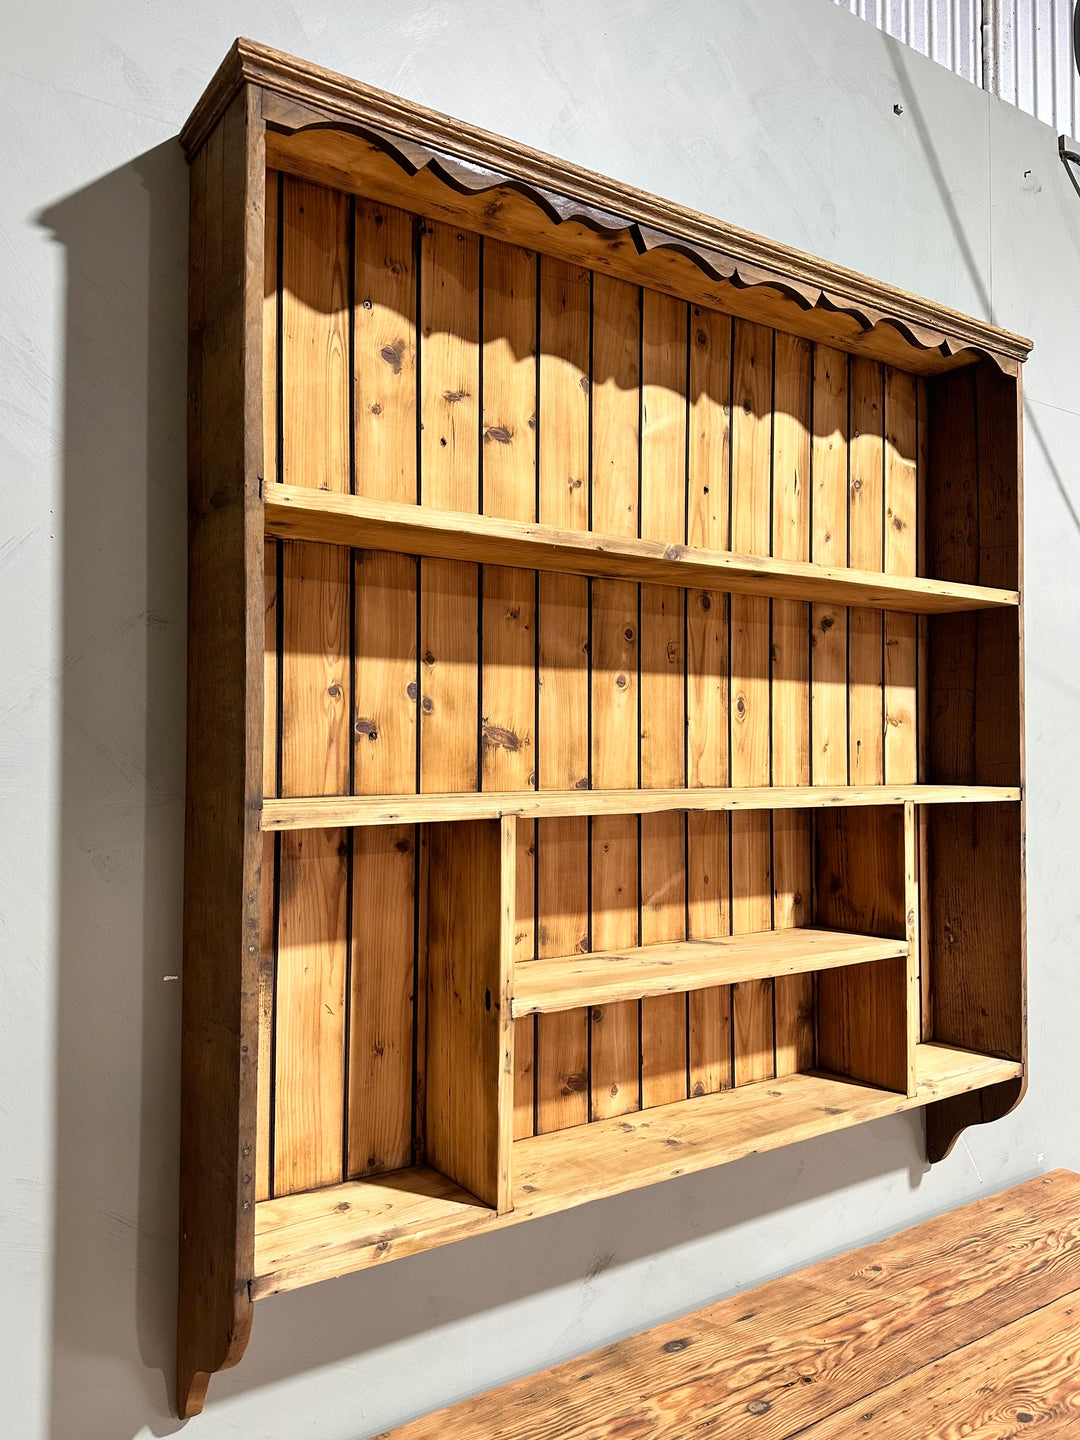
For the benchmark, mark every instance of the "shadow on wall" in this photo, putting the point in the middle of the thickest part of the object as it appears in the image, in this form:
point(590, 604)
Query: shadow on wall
point(117, 1087)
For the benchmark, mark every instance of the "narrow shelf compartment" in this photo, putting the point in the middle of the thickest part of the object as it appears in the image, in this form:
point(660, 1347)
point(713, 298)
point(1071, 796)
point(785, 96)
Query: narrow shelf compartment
point(571, 981)
point(329, 1232)
point(297, 513)
point(314, 812)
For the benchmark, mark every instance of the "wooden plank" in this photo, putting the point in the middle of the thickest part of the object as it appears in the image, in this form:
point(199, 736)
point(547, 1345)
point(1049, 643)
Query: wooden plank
point(615, 1031)
point(271, 697)
point(449, 460)
point(293, 513)
point(668, 968)
point(468, 1084)
point(508, 708)
point(708, 835)
point(912, 917)
point(664, 401)
point(524, 951)
point(866, 725)
point(383, 970)
point(313, 944)
point(304, 1238)
point(562, 1041)
point(859, 885)
point(751, 743)
point(293, 814)
point(218, 1107)
point(790, 690)
point(381, 1009)
point(505, 1117)
point(901, 558)
point(1022, 1373)
point(828, 654)
point(384, 377)
point(964, 1294)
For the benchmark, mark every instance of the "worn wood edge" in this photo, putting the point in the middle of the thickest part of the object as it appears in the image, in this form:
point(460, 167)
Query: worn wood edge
point(380, 1244)
point(321, 811)
point(233, 1127)
point(296, 513)
point(338, 99)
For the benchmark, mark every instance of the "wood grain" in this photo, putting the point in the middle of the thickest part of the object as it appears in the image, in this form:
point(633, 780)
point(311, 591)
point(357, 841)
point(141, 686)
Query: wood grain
point(789, 680)
point(962, 1325)
point(615, 1031)
point(562, 1041)
point(304, 1238)
point(313, 943)
point(298, 514)
point(226, 628)
point(751, 735)
point(467, 1089)
point(450, 479)
point(664, 382)
point(708, 753)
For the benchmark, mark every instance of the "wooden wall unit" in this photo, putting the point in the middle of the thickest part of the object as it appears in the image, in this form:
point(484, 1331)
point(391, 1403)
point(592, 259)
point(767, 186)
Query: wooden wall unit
point(605, 751)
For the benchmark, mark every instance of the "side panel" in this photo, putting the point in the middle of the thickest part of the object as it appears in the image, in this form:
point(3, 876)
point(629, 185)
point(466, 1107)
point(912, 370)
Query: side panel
point(223, 847)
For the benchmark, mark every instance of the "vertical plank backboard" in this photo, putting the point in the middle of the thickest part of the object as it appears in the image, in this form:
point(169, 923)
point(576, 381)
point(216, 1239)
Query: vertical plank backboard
point(751, 841)
point(313, 942)
point(829, 639)
point(450, 480)
point(790, 680)
point(663, 483)
point(383, 973)
point(615, 674)
point(708, 835)
point(562, 846)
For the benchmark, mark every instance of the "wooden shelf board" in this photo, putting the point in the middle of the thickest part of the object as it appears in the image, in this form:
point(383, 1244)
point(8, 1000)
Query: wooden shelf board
point(315, 1236)
point(295, 513)
point(603, 977)
point(318, 811)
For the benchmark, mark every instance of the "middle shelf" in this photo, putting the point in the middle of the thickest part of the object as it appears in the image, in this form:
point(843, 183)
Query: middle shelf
point(542, 987)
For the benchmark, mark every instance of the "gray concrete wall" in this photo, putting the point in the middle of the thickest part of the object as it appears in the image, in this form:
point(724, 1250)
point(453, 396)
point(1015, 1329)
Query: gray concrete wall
point(778, 116)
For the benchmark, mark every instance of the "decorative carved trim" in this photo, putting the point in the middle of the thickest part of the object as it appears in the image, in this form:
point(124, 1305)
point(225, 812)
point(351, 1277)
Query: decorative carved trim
point(471, 161)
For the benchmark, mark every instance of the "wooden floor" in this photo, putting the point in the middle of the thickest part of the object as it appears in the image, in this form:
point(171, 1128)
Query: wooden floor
point(965, 1326)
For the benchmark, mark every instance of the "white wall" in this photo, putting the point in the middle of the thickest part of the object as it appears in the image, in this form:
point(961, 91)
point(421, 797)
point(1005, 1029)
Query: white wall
point(778, 116)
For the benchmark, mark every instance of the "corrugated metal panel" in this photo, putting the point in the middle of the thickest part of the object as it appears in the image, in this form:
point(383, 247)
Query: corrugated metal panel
point(1018, 49)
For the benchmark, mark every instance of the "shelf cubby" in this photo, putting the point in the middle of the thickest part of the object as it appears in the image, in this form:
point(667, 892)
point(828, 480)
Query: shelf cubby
point(605, 711)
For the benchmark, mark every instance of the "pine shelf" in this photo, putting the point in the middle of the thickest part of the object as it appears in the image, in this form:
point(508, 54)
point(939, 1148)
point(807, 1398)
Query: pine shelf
point(605, 751)
point(295, 513)
point(568, 982)
point(330, 1232)
point(326, 811)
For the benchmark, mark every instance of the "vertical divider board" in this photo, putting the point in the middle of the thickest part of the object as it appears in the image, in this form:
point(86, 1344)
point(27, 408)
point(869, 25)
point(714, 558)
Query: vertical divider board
point(469, 1110)
point(913, 935)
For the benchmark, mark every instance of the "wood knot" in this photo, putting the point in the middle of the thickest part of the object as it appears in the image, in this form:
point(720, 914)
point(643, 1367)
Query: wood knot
point(499, 433)
point(674, 1346)
point(392, 353)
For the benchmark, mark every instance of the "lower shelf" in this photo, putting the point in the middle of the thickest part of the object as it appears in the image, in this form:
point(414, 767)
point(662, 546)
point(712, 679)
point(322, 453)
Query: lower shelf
point(329, 1232)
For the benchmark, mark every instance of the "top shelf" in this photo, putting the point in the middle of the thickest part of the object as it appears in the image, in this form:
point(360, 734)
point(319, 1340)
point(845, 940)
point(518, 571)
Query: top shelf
point(294, 513)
